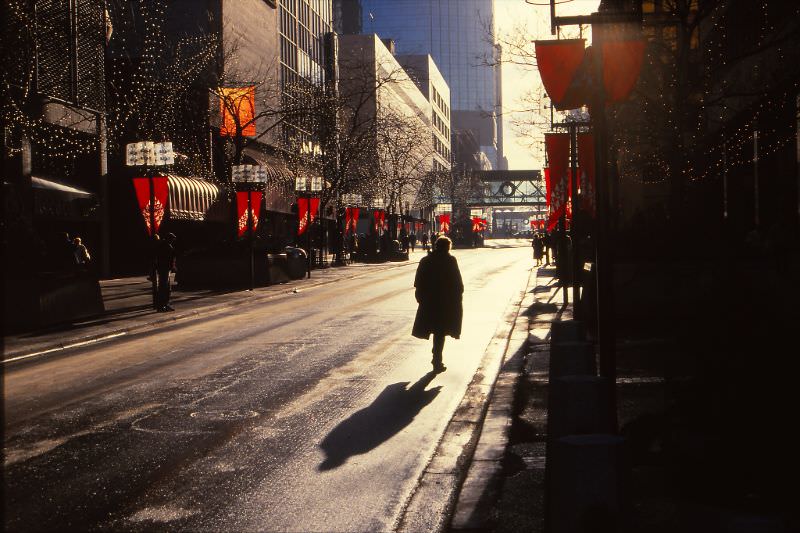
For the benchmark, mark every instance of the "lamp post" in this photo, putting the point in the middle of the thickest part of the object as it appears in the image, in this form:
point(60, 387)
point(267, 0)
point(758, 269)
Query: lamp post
point(148, 154)
point(249, 177)
point(348, 200)
point(378, 204)
point(307, 188)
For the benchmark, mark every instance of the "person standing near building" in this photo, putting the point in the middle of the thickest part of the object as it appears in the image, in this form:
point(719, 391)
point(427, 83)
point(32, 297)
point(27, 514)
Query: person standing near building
point(80, 253)
point(538, 248)
point(165, 264)
point(439, 290)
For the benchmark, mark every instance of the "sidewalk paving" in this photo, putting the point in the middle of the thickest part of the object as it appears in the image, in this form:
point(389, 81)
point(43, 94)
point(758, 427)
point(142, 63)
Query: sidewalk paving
point(128, 309)
point(672, 486)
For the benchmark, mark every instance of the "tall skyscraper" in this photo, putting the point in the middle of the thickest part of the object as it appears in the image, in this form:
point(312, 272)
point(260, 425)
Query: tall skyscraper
point(456, 33)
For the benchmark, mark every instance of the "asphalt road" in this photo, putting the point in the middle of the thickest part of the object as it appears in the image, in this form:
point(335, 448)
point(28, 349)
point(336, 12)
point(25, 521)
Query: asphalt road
point(314, 411)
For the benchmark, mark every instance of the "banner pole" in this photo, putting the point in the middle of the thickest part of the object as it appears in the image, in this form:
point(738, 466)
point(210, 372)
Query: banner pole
point(576, 269)
point(153, 242)
point(250, 232)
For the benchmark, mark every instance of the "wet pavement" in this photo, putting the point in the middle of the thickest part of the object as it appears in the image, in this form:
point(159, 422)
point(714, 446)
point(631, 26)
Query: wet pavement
point(300, 411)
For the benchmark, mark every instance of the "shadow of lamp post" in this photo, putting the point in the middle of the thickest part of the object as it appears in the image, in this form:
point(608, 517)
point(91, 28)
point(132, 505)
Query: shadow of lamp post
point(147, 155)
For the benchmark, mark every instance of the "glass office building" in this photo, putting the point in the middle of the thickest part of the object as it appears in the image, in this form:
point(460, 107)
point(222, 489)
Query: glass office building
point(456, 34)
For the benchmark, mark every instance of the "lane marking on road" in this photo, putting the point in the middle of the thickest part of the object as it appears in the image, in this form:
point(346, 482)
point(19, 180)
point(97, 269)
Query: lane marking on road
point(66, 347)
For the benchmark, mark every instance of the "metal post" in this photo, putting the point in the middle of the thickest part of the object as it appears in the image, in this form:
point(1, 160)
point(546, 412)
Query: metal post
point(308, 238)
point(576, 265)
point(105, 219)
point(604, 256)
point(250, 232)
point(154, 270)
point(755, 177)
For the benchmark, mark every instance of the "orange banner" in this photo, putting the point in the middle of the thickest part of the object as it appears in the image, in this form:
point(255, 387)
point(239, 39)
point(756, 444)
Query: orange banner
point(238, 107)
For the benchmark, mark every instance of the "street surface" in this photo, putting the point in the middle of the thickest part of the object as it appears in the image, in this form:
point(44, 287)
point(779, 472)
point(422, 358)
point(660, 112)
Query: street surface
point(314, 411)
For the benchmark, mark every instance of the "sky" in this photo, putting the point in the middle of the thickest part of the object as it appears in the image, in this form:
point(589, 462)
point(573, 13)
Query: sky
point(511, 17)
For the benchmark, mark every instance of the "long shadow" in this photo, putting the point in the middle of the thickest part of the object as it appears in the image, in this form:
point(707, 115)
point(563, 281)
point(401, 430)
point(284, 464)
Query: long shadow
point(393, 409)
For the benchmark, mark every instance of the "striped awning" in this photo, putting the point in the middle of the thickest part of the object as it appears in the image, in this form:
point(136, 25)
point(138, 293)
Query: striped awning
point(190, 198)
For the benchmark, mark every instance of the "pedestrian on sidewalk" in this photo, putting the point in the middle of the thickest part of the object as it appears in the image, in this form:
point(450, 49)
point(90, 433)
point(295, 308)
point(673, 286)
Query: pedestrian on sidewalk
point(81, 253)
point(538, 248)
point(424, 240)
point(439, 290)
point(412, 240)
point(165, 264)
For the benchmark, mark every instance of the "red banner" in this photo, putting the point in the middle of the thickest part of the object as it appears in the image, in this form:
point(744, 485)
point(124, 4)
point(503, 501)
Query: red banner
point(586, 171)
point(242, 211)
point(350, 219)
point(444, 223)
point(304, 217)
point(557, 147)
point(380, 219)
point(161, 195)
point(548, 186)
point(622, 62)
point(237, 104)
point(559, 63)
point(567, 73)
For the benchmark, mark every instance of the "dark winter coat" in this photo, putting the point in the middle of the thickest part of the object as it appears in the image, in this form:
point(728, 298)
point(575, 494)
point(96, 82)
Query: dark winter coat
point(438, 292)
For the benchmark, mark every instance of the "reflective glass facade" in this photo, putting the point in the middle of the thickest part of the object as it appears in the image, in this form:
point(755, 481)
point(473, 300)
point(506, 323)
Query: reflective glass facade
point(454, 33)
point(303, 25)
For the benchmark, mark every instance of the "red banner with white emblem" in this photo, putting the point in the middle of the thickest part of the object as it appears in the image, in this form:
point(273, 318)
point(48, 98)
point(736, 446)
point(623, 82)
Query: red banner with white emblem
point(380, 219)
point(161, 196)
point(242, 211)
point(306, 213)
point(586, 171)
point(444, 223)
point(350, 219)
point(557, 147)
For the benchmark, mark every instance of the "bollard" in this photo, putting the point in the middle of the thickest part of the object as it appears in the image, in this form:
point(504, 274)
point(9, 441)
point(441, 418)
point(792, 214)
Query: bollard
point(587, 483)
point(577, 405)
point(572, 358)
point(567, 330)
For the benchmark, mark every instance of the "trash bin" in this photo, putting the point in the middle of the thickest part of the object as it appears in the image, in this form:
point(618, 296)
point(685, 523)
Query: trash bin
point(296, 262)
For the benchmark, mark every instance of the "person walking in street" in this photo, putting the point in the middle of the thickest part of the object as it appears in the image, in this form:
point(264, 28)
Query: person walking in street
point(412, 240)
point(424, 239)
point(439, 291)
point(165, 264)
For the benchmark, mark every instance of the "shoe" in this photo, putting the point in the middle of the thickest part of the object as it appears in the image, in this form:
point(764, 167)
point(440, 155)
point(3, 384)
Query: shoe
point(439, 368)
point(167, 308)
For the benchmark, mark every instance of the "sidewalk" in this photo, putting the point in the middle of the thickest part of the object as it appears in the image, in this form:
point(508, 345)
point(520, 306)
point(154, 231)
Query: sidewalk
point(128, 309)
point(684, 476)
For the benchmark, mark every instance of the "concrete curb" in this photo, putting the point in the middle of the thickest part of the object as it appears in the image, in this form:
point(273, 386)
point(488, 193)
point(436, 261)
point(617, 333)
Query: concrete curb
point(165, 320)
point(431, 505)
point(477, 504)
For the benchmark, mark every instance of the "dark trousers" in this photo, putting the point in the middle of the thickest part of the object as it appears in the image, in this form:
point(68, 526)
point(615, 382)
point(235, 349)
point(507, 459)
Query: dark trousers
point(438, 347)
point(162, 293)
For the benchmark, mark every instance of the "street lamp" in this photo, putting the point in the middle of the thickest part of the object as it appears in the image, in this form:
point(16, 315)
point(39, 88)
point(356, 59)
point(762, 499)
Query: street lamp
point(148, 154)
point(249, 177)
point(308, 188)
point(347, 200)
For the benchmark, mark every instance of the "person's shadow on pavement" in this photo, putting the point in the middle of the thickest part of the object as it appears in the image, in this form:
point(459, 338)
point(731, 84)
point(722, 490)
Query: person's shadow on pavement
point(393, 409)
